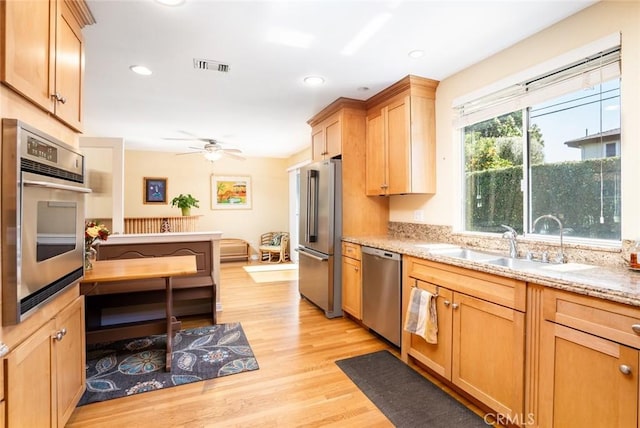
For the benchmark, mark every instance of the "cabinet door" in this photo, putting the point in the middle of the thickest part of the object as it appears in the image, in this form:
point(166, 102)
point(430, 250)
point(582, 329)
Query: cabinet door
point(436, 356)
point(31, 382)
point(352, 287)
point(375, 156)
point(398, 124)
point(69, 68)
point(582, 383)
point(70, 359)
point(317, 144)
point(28, 56)
point(488, 353)
point(333, 135)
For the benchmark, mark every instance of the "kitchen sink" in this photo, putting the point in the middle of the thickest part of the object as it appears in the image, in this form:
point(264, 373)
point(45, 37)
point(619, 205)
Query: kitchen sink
point(457, 252)
point(512, 263)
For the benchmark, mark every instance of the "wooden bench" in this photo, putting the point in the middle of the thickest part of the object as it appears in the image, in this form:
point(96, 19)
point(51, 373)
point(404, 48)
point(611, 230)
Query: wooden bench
point(233, 249)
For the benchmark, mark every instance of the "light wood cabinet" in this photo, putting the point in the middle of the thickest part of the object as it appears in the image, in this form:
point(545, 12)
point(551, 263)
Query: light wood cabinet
point(400, 147)
point(43, 54)
point(352, 279)
point(481, 335)
point(326, 138)
point(45, 374)
point(589, 362)
point(339, 129)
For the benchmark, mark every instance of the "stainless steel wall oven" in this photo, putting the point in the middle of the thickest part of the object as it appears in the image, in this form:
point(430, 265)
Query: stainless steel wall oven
point(43, 194)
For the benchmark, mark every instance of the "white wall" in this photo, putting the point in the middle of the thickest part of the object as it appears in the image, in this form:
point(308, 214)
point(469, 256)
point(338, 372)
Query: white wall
point(593, 23)
point(192, 174)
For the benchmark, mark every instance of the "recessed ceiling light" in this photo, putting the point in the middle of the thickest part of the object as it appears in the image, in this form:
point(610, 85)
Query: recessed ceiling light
point(416, 53)
point(314, 80)
point(140, 69)
point(363, 88)
point(170, 2)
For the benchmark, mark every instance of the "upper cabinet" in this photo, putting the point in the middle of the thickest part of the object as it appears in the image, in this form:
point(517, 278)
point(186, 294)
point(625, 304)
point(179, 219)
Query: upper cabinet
point(339, 130)
point(42, 54)
point(400, 141)
point(335, 126)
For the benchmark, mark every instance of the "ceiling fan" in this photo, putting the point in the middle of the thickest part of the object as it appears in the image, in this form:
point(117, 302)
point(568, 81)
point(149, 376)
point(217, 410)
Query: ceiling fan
point(213, 150)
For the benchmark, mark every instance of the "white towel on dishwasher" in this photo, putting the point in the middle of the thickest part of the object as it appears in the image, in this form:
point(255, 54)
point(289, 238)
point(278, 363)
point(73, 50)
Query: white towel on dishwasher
point(421, 317)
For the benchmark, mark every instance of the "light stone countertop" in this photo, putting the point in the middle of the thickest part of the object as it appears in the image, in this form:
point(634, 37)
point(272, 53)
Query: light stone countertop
point(138, 238)
point(611, 283)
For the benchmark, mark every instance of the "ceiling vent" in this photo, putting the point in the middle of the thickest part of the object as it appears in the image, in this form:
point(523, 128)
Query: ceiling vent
point(207, 64)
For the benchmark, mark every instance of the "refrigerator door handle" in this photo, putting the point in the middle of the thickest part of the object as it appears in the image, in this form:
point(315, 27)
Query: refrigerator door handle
point(320, 259)
point(312, 206)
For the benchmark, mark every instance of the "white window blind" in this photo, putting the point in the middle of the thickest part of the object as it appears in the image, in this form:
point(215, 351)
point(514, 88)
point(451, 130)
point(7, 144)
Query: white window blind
point(586, 73)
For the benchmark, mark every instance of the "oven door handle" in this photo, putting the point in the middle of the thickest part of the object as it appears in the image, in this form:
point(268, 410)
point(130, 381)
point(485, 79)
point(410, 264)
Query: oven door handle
point(56, 186)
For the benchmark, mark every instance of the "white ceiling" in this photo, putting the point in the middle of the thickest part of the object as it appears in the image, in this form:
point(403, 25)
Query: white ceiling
point(261, 106)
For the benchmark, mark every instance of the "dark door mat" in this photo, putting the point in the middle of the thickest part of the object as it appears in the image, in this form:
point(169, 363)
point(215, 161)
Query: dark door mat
point(404, 396)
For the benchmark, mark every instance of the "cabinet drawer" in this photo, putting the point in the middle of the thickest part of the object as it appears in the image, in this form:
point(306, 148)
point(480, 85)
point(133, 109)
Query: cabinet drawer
point(610, 320)
point(492, 288)
point(350, 250)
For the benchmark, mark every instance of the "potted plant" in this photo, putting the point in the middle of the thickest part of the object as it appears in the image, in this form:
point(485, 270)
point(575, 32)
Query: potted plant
point(185, 202)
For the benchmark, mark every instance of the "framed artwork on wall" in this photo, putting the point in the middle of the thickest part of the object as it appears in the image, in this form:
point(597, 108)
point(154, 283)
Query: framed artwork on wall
point(230, 192)
point(154, 190)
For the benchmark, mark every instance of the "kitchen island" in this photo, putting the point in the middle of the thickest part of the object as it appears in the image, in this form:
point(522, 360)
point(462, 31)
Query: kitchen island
point(121, 302)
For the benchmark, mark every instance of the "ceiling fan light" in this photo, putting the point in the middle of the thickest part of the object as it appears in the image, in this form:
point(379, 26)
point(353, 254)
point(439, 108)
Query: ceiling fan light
point(213, 156)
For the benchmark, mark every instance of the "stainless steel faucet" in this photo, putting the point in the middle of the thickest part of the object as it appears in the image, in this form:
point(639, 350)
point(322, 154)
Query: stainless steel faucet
point(561, 258)
point(511, 235)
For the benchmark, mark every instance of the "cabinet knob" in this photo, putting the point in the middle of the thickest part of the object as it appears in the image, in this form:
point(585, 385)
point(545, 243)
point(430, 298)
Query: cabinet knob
point(625, 369)
point(446, 303)
point(636, 328)
point(58, 97)
point(357, 269)
point(60, 334)
point(455, 306)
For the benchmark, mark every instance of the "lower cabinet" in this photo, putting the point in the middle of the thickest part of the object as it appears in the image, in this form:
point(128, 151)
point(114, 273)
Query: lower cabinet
point(45, 374)
point(589, 362)
point(352, 280)
point(480, 345)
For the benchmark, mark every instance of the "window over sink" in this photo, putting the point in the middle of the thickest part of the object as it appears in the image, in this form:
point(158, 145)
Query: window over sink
point(548, 145)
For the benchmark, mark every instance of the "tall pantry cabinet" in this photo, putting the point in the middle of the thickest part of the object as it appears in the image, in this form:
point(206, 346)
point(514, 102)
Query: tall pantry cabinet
point(340, 130)
point(42, 375)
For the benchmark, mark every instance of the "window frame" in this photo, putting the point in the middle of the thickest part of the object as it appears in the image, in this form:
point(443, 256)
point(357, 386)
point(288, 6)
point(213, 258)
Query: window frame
point(526, 186)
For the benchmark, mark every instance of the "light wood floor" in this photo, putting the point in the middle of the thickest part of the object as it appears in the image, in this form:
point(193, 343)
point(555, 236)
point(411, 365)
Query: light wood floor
point(298, 383)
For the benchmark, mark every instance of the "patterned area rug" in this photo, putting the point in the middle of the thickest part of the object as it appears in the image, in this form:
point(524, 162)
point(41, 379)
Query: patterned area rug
point(127, 367)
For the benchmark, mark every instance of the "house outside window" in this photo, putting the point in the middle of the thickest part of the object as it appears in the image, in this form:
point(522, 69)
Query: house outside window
point(557, 153)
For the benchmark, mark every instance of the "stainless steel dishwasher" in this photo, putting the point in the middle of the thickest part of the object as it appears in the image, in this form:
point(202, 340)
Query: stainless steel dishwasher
point(381, 292)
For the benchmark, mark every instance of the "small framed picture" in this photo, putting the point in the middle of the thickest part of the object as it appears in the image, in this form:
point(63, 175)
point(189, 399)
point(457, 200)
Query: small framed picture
point(230, 192)
point(154, 190)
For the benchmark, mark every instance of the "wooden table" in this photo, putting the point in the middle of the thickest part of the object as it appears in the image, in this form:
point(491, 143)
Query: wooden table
point(105, 271)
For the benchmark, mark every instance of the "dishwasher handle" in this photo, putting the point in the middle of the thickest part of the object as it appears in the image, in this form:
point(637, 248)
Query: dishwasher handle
point(381, 253)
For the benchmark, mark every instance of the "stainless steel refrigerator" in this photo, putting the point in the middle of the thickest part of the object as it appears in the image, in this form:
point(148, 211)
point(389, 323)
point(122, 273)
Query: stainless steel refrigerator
point(320, 277)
